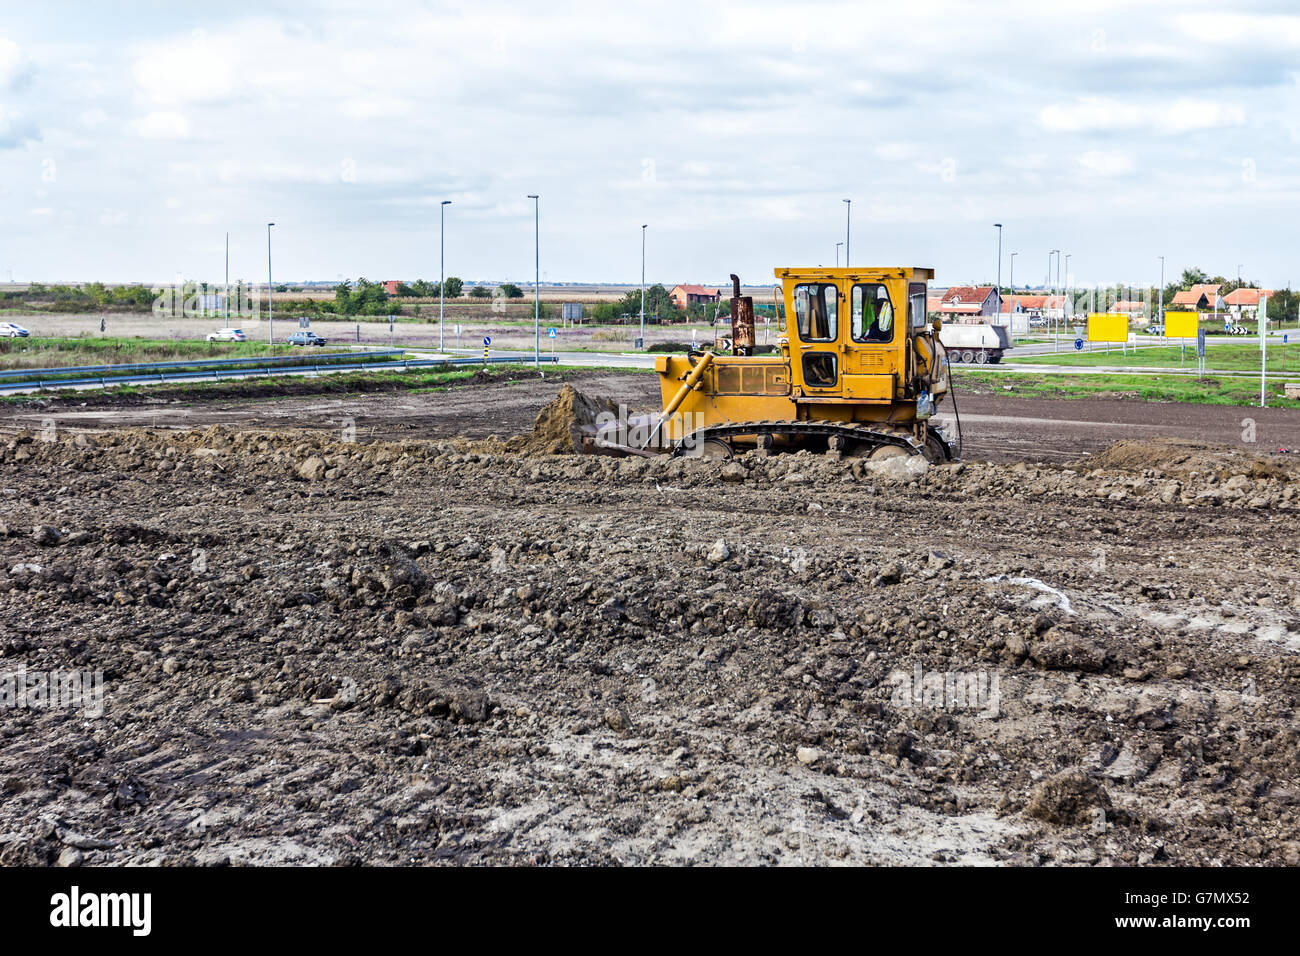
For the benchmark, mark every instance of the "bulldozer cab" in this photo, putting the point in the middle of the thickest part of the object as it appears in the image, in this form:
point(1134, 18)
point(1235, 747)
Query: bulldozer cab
point(851, 332)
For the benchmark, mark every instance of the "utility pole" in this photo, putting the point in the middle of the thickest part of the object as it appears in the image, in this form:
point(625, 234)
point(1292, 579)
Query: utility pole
point(442, 266)
point(1056, 338)
point(270, 290)
point(1262, 317)
point(537, 279)
point(999, 228)
point(643, 228)
point(848, 225)
point(227, 280)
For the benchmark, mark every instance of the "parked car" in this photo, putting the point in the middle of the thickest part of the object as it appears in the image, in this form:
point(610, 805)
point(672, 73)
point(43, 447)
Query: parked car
point(227, 335)
point(1155, 330)
point(305, 338)
point(13, 330)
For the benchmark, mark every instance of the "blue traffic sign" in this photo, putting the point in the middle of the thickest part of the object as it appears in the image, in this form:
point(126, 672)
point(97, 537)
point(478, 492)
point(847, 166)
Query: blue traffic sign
point(550, 333)
point(487, 340)
point(1078, 345)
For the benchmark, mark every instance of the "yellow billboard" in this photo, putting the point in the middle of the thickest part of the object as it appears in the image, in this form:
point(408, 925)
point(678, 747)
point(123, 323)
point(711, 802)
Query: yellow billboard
point(1107, 327)
point(1181, 325)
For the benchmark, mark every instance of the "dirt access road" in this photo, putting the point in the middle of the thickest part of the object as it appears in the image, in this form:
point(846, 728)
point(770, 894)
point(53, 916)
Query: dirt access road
point(426, 651)
point(997, 427)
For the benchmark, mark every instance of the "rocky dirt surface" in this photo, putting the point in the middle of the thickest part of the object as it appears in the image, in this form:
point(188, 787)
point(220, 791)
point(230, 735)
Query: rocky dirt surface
point(317, 651)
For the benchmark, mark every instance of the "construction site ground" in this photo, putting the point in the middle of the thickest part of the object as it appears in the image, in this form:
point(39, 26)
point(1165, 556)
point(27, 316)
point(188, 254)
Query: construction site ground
point(341, 629)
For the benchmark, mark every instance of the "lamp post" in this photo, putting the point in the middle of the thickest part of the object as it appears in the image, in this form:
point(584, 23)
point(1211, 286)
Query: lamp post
point(848, 225)
point(442, 266)
point(1060, 286)
point(643, 228)
point(999, 228)
point(537, 276)
point(270, 290)
point(1056, 338)
point(227, 280)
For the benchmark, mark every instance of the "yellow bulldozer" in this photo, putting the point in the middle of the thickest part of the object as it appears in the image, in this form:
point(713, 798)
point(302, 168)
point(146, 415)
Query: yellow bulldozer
point(857, 370)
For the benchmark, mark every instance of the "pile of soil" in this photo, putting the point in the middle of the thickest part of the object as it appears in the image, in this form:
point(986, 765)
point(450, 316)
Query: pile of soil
point(1181, 457)
point(558, 427)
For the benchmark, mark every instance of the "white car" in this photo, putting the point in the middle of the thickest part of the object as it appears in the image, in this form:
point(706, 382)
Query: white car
point(228, 335)
point(13, 330)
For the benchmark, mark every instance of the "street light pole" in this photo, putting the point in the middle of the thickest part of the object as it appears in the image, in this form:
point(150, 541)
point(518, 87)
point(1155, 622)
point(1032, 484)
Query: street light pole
point(643, 228)
point(227, 280)
point(442, 266)
point(537, 278)
point(1056, 338)
point(270, 290)
point(848, 226)
point(999, 226)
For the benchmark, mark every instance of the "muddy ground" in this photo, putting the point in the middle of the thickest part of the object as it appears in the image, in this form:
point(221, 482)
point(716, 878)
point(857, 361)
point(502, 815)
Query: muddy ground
point(411, 651)
point(999, 427)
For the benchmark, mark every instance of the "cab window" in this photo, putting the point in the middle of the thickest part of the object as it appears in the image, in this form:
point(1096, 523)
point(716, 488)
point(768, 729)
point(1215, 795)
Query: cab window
point(916, 304)
point(816, 309)
point(872, 314)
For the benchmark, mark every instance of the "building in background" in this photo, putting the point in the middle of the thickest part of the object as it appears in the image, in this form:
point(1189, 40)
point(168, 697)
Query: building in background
point(685, 296)
point(1031, 309)
point(1202, 297)
point(972, 302)
point(1245, 302)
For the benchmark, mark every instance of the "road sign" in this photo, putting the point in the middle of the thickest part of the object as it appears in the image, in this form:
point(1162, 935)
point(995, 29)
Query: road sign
point(1200, 343)
point(1107, 327)
point(1285, 338)
point(304, 323)
point(487, 340)
point(390, 323)
point(550, 333)
point(1181, 325)
point(1227, 325)
point(1078, 345)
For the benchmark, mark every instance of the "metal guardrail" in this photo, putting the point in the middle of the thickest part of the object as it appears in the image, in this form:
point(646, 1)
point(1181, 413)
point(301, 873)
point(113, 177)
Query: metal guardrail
point(244, 372)
point(269, 361)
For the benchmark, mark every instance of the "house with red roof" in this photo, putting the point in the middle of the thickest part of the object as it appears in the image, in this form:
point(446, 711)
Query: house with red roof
point(1202, 297)
point(685, 296)
point(970, 300)
point(1245, 300)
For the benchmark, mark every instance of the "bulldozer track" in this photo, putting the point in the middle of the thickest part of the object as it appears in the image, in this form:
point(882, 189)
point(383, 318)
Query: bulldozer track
point(859, 434)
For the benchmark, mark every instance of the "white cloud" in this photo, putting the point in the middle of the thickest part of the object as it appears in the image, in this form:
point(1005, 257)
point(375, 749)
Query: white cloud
point(162, 125)
point(1098, 115)
point(15, 128)
point(1107, 162)
point(15, 68)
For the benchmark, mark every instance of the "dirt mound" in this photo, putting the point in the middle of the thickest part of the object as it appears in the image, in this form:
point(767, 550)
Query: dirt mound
point(559, 424)
point(1178, 456)
point(1070, 799)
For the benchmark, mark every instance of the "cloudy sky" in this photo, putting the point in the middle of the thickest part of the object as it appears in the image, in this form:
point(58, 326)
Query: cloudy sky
point(133, 136)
